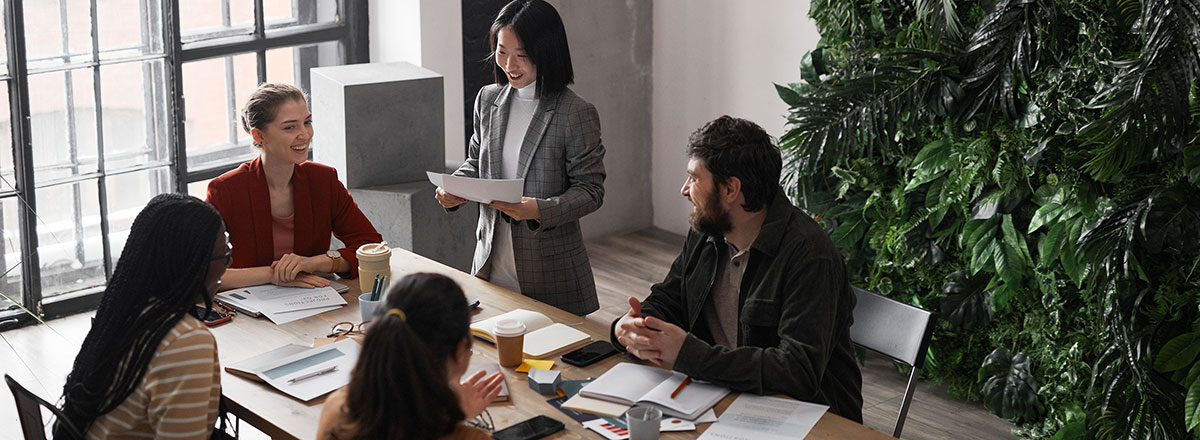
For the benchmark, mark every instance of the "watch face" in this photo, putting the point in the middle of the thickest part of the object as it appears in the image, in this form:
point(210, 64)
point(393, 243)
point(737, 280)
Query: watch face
point(334, 254)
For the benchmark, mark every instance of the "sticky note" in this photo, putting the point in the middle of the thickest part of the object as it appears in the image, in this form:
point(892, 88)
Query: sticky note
point(533, 363)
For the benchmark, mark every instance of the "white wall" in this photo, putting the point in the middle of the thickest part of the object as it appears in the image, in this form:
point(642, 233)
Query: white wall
point(427, 33)
point(716, 57)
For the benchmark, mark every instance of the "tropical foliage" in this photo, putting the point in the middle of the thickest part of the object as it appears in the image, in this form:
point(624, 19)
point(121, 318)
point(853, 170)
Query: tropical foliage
point(1030, 169)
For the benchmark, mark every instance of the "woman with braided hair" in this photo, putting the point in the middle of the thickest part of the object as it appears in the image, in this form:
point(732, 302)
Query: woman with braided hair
point(405, 384)
point(148, 367)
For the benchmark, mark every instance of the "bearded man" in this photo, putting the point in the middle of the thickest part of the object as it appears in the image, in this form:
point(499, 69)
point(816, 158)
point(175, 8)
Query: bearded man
point(758, 300)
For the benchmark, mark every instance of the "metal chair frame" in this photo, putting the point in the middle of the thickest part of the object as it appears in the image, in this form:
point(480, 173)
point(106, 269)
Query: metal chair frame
point(897, 330)
point(29, 410)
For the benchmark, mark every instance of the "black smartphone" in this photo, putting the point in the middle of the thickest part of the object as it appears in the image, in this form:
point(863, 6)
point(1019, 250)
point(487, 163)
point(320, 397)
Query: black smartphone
point(589, 354)
point(213, 318)
point(534, 428)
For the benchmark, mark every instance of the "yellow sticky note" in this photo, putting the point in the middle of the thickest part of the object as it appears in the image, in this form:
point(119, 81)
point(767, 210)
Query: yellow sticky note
point(533, 363)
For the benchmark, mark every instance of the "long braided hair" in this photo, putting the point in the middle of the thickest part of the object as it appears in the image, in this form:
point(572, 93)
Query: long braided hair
point(399, 388)
point(159, 277)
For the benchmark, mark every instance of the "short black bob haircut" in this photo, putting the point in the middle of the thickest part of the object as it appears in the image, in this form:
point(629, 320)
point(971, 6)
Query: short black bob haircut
point(733, 147)
point(544, 38)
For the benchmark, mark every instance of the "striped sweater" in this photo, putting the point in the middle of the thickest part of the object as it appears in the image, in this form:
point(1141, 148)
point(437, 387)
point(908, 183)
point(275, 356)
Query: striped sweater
point(178, 396)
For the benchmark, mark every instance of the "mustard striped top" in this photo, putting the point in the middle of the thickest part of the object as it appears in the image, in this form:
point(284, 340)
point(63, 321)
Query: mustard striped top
point(179, 395)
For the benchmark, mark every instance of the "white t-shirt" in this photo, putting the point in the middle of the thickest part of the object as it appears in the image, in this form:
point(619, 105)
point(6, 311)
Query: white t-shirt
point(521, 107)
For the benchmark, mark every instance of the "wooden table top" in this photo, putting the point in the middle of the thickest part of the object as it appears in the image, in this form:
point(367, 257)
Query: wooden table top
point(281, 416)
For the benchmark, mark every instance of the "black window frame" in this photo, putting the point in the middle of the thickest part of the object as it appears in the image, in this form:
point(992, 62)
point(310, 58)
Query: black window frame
point(349, 30)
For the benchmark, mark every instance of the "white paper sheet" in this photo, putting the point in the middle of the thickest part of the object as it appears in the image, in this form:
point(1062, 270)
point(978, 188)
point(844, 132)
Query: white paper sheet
point(765, 418)
point(286, 304)
point(479, 190)
point(342, 354)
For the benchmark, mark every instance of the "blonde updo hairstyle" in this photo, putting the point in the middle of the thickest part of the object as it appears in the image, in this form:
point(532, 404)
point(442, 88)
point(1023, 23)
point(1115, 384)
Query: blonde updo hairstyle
point(263, 104)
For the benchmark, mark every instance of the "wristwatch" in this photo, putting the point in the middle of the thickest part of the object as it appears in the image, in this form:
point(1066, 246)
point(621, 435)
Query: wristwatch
point(335, 256)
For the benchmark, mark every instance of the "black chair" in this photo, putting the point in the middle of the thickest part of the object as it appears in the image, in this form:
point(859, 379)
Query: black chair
point(895, 329)
point(29, 408)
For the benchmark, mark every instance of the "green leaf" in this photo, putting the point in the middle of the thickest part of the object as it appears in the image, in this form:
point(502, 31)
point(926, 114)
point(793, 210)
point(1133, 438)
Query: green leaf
point(1010, 390)
point(985, 207)
point(1191, 406)
point(788, 95)
point(1044, 215)
point(1048, 248)
point(1178, 353)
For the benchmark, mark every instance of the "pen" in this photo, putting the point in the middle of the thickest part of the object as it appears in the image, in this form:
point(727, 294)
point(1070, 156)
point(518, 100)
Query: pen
point(679, 388)
point(315, 374)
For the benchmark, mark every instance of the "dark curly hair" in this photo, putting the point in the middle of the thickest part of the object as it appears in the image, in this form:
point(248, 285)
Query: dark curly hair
point(734, 147)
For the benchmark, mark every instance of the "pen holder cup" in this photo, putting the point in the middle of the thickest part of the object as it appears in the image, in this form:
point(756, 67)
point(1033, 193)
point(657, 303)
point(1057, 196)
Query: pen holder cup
point(367, 307)
point(644, 422)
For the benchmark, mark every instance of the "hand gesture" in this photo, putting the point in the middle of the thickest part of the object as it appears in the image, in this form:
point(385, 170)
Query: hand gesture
point(527, 209)
point(477, 392)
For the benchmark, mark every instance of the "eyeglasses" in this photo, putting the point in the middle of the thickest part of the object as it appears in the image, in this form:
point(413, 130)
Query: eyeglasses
point(227, 256)
point(482, 421)
point(346, 328)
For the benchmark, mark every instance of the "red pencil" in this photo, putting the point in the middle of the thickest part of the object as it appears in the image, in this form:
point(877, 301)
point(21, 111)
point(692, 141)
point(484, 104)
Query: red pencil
point(680, 387)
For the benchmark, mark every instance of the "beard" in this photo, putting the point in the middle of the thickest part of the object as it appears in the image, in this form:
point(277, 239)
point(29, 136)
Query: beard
point(713, 219)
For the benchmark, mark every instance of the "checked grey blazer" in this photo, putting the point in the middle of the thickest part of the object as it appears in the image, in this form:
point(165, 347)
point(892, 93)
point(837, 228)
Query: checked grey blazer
point(562, 162)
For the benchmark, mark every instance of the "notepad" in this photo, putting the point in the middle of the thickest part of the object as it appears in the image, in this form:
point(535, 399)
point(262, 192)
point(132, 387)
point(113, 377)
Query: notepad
point(630, 384)
point(545, 338)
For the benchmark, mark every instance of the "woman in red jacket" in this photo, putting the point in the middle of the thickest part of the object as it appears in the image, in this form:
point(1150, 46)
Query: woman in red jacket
point(280, 208)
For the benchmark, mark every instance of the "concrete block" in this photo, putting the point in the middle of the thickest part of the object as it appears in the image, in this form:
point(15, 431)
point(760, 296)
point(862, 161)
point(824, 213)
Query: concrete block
point(545, 382)
point(409, 217)
point(378, 123)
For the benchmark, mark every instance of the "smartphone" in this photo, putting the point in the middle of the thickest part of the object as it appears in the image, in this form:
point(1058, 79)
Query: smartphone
point(534, 428)
point(589, 354)
point(213, 318)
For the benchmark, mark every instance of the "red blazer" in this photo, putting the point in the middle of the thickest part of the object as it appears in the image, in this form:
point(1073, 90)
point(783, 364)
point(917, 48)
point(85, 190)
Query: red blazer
point(322, 206)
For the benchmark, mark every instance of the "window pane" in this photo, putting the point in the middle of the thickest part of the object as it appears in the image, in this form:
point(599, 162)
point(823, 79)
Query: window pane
point(199, 189)
point(214, 135)
point(4, 45)
point(10, 252)
point(135, 116)
point(8, 178)
point(206, 19)
point(290, 64)
point(128, 28)
point(69, 243)
point(127, 195)
point(63, 123)
point(55, 35)
point(283, 13)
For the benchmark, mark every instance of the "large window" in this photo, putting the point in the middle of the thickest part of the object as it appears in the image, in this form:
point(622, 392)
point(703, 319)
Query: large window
point(111, 102)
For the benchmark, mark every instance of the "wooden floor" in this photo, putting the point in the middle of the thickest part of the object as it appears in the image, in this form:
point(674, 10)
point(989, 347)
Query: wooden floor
point(624, 266)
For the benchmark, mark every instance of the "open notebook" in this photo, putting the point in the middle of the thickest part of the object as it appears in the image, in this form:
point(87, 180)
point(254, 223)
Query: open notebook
point(630, 384)
point(544, 339)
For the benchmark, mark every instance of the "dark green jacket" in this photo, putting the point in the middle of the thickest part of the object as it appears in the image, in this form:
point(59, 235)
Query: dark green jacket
point(796, 310)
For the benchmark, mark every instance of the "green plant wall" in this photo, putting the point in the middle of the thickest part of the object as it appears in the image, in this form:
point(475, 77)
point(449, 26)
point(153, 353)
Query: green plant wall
point(1029, 169)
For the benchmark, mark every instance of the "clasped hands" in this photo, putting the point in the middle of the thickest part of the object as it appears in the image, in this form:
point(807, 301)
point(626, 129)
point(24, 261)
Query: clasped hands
point(297, 271)
point(649, 338)
point(526, 209)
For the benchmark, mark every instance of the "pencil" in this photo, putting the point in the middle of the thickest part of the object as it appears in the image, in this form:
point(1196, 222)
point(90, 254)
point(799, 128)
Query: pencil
point(679, 388)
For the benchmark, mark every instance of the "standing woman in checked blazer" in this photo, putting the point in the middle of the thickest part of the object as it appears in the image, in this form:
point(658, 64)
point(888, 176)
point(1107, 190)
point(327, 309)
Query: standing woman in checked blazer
point(530, 125)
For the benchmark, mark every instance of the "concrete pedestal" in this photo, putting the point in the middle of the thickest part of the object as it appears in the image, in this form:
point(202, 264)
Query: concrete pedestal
point(409, 217)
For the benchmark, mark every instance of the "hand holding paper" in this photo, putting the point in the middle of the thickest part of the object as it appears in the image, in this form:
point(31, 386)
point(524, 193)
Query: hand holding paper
point(479, 190)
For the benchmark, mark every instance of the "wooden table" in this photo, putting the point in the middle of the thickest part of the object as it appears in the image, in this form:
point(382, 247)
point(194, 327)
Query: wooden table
point(280, 416)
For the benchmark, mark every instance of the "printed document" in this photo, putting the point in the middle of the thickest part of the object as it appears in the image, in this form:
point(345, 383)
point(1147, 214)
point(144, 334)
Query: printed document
point(312, 373)
point(752, 417)
point(479, 190)
point(285, 304)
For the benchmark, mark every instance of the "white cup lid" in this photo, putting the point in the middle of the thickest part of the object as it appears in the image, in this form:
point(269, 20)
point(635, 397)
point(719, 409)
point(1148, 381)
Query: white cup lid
point(509, 327)
point(374, 249)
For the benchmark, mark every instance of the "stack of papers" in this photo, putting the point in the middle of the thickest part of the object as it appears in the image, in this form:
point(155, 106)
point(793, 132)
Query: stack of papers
point(479, 190)
point(283, 304)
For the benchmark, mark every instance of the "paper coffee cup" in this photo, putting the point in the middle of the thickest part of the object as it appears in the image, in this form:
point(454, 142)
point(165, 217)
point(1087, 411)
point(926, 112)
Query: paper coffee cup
point(510, 341)
point(373, 259)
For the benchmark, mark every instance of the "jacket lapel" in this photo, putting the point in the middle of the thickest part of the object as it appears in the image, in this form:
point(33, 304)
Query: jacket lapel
point(537, 129)
point(260, 214)
point(302, 212)
point(499, 123)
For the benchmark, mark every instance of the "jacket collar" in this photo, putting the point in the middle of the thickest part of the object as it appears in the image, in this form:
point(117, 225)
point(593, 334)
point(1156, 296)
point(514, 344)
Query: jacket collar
point(533, 136)
point(260, 199)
